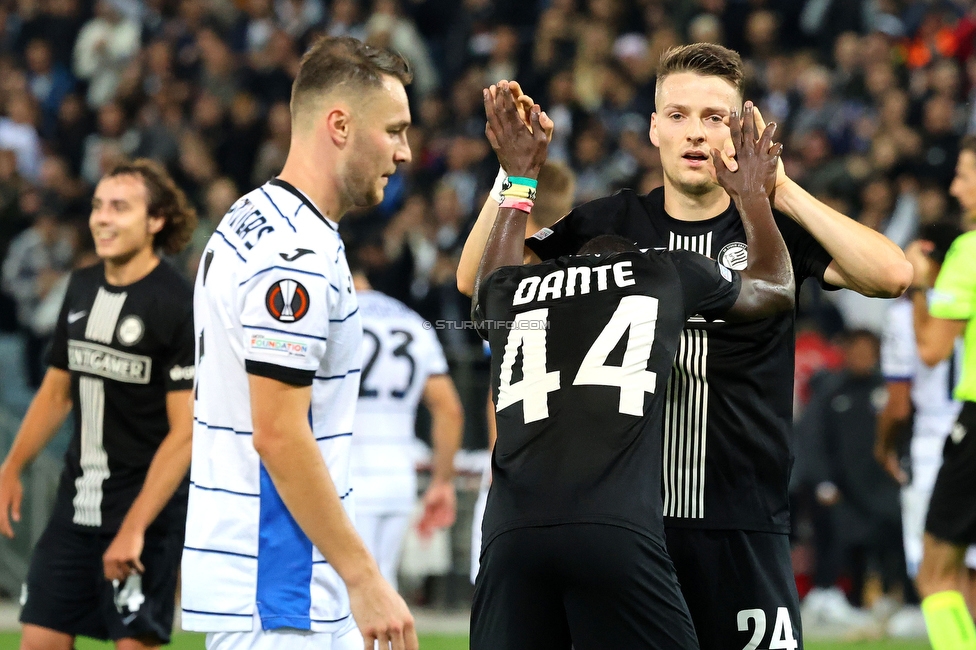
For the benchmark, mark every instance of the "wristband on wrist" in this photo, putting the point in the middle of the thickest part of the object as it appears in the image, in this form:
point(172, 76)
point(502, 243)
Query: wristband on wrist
point(496, 189)
point(518, 190)
point(517, 203)
point(522, 180)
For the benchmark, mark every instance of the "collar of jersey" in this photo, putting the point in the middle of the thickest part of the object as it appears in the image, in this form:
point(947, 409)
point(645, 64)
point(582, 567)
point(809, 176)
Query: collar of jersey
point(288, 187)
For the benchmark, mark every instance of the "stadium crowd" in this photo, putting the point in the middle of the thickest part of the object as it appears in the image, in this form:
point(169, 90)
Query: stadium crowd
point(871, 96)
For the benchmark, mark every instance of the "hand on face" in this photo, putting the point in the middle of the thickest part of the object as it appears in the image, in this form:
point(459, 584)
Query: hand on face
point(520, 151)
point(757, 157)
point(728, 151)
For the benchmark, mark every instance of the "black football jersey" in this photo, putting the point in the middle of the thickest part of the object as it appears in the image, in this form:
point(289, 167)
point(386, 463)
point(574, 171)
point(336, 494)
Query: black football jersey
point(125, 348)
point(729, 408)
point(582, 347)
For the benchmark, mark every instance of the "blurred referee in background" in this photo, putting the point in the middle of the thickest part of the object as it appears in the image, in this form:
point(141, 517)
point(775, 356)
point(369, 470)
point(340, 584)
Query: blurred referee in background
point(951, 522)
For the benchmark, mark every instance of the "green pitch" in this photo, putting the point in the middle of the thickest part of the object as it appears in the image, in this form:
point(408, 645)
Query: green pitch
point(10, 641)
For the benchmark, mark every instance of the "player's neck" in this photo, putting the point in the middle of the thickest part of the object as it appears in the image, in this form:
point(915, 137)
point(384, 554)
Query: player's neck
point(685, 207)
point(301, 172)
point(120, 273)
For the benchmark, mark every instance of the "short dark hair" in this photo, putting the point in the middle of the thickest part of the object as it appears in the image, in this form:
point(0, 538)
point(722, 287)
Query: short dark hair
point(941, 233)
point(164, 199)
point(334, 61)
point(706, 59)
point(604, 244)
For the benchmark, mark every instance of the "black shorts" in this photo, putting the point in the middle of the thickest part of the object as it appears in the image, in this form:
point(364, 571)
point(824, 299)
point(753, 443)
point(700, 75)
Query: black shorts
point(592, 586)
point(739, 587)
point(952, 508)
point(66, 589)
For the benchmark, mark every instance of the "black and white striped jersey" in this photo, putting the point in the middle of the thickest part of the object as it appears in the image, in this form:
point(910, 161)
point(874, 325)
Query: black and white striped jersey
point(581, 350)
point(729, 413)
point(125, 348)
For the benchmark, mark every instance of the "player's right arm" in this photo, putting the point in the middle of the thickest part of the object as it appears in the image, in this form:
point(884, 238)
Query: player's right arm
point(767, 281)
point(44, 417)
point(477, 240)
point(283, 439)
point(522, 152)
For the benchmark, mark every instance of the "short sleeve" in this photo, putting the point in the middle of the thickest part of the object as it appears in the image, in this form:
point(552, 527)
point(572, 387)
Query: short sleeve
point(179, 363)
point(898, 350)
point(954, 297)
point(285, 318)
point(57, 355)
point(810, 259)
point(709, 289)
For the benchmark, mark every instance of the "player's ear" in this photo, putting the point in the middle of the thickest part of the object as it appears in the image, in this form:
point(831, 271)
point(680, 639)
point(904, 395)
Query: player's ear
point(336, 124)
point(156, 224)
point(653, 132)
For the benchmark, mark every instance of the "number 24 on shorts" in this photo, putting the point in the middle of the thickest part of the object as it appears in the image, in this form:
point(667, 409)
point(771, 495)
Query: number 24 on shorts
point(782, 638)
point(636, 313)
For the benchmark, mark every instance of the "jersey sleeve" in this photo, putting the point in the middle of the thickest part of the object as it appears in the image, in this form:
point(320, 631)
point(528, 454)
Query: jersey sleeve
point(179, 363)
point(582, 224)
point(285, 319)
point(810, 259)
point(954, 297)
point(709, 289)
point(898, 351)
point(57, 355)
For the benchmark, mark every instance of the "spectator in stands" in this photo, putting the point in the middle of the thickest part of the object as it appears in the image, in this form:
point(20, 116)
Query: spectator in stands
point(18, 133)
point(105, 46)
point(36, 260)
point(49, 82)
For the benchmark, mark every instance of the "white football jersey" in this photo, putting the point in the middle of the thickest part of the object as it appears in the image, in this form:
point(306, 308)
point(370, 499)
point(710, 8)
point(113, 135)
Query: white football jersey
point(400, 351)
point(273, 297)
point(935, 409)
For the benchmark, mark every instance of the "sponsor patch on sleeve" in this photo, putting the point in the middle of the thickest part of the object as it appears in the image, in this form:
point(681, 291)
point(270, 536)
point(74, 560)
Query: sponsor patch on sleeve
point(291, 348)
point(726, 273)
point(542, 234)
point(182, 373)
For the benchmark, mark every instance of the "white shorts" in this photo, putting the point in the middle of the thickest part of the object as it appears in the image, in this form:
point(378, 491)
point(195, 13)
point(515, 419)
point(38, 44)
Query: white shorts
point(926, 460)
point(383, 535)
point(348, 638)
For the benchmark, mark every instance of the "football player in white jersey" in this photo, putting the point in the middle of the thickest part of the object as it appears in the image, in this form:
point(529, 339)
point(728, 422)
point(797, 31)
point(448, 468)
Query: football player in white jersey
point(402, 363)
point(914, 386)
point(271, 557)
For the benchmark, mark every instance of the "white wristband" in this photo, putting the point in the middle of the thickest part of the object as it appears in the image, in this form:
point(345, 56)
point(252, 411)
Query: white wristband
point(496, 189)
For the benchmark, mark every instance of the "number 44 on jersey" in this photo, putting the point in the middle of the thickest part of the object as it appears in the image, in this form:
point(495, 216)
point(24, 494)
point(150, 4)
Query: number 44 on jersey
point(635, 313)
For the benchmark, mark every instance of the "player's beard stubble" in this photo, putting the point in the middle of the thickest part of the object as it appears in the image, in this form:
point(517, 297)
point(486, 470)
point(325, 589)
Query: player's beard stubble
point(697, 186)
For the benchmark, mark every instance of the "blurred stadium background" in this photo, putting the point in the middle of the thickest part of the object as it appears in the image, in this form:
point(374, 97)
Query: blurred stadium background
point(871, 95)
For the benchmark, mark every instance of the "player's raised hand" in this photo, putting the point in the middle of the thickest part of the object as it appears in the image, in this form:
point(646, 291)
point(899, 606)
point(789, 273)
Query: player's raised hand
point(520, 151)
point(11, 494)
point(123, 555)
point(757, 157)
point(728, 150)
point(524, 103)
point(440, 508)
point(381, 615)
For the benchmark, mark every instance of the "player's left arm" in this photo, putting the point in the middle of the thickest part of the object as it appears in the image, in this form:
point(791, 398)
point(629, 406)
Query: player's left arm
point(954, 301)
point(447, 416)
point(166, 471)
point(864, 260)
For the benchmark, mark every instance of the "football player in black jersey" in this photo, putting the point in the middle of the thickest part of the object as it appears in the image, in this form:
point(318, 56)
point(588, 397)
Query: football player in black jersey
point(582, 346)
point(122, 362)
point(728, 415)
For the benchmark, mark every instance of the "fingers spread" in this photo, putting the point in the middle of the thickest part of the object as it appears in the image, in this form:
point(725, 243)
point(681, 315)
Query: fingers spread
point(766, 141)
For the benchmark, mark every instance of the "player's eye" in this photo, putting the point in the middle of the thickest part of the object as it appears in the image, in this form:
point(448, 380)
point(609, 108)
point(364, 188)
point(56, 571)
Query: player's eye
point(676, 116)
